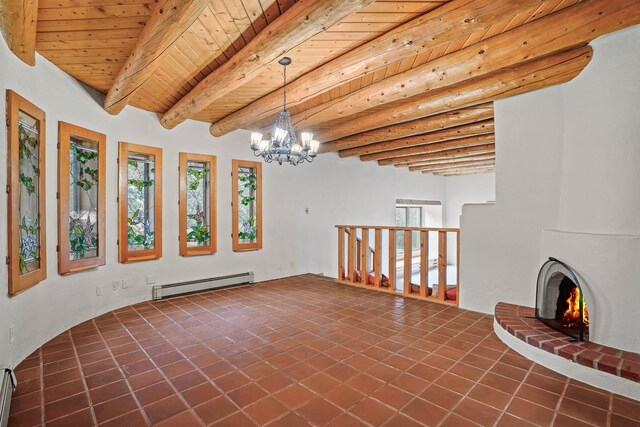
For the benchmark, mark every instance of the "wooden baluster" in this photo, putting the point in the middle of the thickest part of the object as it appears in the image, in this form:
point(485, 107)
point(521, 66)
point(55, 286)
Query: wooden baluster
point(424, 267)
point(392, 260)
point(357, 267)
point(351, 254)
point(364, 254)
point(340, 253)
point(442, 264)
point(377, 257)
point(458, 266)
point(408, 257)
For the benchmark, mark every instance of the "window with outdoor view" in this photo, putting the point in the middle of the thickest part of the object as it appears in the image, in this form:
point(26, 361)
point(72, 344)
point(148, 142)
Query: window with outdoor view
point(197, 204)
point(81, 199)
point(26, 209)
point(247, 205)
point(140, 202)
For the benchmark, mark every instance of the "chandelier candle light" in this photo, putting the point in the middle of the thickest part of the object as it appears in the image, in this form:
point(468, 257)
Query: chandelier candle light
point(284, 147)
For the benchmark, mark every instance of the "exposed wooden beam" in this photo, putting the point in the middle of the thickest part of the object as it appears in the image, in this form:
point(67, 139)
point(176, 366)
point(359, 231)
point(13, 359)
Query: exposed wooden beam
point(168, 21)
point(445, 24)
point(300, 22)
point(471, 171)
point(472, 129)
point(574, 25)
point(416, 127)
point(431, 148)
point(482, 164)
point(453, 163)
point(490, 152)
point(448, 154)
point(544, 72)
point(19, 20)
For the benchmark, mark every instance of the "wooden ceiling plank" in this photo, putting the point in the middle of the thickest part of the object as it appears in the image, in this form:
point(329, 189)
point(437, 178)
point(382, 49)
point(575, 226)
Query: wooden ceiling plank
point(414, 127)
point(19, 20)
point(463, 172)
point(92, 24)
point(299, 23)
point(446, 154)
point(453, 166)
point(548, 71)
point(430, 148)
point(169, 21)
point(110, 11)
point(571, 26)
point(450, 22)
point(462, 157)
point(421, 140)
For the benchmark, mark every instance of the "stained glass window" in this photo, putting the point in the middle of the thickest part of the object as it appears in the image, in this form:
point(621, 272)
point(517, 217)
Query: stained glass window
point(29, 193)
point(197, 204)
point(140, 170)
point(26, 219)
point(81, 198)
point(247, 206)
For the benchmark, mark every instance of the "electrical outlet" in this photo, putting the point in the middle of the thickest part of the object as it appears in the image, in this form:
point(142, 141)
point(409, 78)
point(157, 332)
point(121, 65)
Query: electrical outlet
point(12, 334)
point(98, 291)
point(115, 285)
point(152, 279)
point(124, 284)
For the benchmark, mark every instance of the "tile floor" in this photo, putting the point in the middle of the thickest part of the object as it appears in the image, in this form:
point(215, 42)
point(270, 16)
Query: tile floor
point(295, 352)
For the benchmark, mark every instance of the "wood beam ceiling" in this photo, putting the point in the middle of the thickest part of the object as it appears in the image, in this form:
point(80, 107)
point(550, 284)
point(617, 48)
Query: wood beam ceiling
point(527, 76)
point(464, 161)
point(427, 139)
point(482, 155)
point(578, 24)
point(414, 127)
point(445, 24)
point(169, 20)
point(446, 154)
point(302, 21)
point(19, 19)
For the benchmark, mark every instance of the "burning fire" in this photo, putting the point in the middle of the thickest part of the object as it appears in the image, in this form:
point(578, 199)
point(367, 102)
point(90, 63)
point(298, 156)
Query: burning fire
point(571, 317)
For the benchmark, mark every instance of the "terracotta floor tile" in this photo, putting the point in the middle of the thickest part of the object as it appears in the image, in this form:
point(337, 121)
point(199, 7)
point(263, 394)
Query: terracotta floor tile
point(424, 412)
point(77, 419)
point(114, 408)
point(478, 412)
point(163, 409)
point(294, 396)
point(319, 411)
point(66, 406)
point(246, 395)
point(298, 351)
point(266, 410)
point(582, 411)
point(372, 411)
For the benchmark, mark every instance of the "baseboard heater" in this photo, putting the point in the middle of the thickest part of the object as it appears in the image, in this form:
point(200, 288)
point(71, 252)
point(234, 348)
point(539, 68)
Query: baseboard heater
point(8, 386)
point(174, 289)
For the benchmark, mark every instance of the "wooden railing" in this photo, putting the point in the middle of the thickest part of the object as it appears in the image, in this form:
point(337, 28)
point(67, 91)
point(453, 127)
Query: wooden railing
point(360, 257)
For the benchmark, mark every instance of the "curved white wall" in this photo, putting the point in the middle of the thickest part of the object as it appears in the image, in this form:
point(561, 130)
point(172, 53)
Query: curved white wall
point(334, 190)
point(567, 186)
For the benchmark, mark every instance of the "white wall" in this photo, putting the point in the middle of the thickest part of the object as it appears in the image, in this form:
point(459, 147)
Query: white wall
point(336, 191)
point(460, 190)
point(567, 186)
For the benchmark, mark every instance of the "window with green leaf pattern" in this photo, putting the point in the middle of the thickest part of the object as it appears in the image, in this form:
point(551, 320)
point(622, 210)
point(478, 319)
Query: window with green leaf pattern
point(197, 204)
point(81, 190)
point(140, 199)
point(247, 208)
point(26, 219)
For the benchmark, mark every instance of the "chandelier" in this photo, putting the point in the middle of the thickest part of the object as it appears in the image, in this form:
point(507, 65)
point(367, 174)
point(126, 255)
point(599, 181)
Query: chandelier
point(284, 146)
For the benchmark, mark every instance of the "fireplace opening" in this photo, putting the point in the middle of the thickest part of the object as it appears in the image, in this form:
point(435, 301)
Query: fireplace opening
point(560, 302)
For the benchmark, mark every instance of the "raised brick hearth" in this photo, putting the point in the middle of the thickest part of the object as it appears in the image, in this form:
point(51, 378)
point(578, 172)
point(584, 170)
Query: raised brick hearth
point(520, 322)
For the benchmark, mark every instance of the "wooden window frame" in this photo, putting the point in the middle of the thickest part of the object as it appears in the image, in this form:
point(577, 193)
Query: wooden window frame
point(65, 131)
point(124, 255)
point(237, 246)
point(213, 218)
point(17, 282)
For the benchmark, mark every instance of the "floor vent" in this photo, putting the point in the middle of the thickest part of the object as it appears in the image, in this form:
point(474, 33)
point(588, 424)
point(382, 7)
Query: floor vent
point(8, 385)
point(174, 289)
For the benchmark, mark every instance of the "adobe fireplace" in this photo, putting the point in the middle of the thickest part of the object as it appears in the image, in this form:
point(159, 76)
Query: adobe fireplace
point(560, 302)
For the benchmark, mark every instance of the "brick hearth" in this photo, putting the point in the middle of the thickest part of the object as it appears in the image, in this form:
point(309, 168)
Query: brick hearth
point(520, 322)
